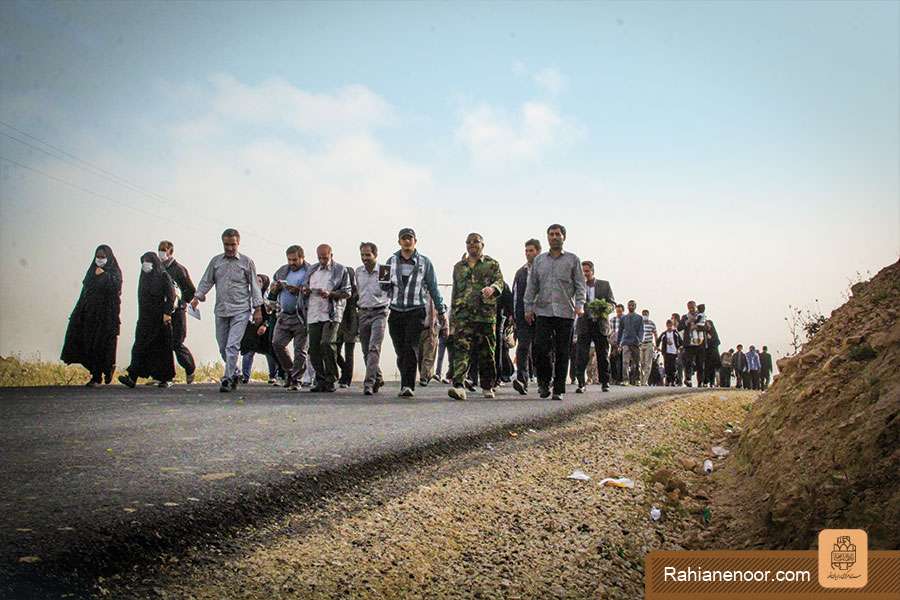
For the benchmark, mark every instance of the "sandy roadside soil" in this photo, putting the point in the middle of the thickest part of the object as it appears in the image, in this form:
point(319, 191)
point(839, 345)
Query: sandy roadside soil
point(499, 522)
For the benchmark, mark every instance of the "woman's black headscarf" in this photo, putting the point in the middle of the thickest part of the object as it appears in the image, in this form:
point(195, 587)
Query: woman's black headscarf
point(111, 267)
point(265, 284)
point(156, 281)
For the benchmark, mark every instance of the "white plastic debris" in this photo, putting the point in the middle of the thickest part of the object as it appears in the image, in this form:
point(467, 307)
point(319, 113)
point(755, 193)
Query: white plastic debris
point(707, 466)
point(579, 475)
point(655, 513)
point(719, 451)
point(620, 482)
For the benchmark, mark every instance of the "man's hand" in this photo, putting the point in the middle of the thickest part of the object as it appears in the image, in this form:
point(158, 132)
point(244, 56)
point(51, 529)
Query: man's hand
point(98, 271)
point(304, 289)
point(488, 292)
point(195, 302)
point(167, 319)
point(443, 326)
point(325, 294)
point(293, 289)
point(262, 330)
point(529, 317)
point(257, 316)
point(579, 311)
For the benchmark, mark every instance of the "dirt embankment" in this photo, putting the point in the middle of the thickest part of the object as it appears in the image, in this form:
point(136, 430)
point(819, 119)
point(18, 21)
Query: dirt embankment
point(821, 448)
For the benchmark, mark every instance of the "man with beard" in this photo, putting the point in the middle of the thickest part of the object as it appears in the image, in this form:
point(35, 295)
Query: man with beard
point(553, 298)
point(182, 279)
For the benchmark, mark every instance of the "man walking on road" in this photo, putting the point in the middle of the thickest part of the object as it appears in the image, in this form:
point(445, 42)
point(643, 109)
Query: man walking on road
point(373, 309)
point(648, 345)
point(554, 296)
point(765, 371)
point(237, 293)
point(327, 290)
point(287, 283)
point(477, 286)
point(593, 329)
point(524, 329)
point(182, 279)
point(411, 275)
point(693, 324)
point(631, 332)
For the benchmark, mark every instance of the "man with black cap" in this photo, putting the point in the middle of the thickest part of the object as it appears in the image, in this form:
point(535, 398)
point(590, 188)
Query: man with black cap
point(409, 279)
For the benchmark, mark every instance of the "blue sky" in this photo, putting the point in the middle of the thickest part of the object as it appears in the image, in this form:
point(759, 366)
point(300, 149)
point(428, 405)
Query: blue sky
point(745, 154)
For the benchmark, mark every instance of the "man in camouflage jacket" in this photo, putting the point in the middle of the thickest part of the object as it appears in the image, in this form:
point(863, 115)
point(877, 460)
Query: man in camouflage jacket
point(477, 285)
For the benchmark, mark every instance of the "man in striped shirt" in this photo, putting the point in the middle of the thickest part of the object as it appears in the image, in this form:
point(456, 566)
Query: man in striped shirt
point(411, 279)
point(648, 346)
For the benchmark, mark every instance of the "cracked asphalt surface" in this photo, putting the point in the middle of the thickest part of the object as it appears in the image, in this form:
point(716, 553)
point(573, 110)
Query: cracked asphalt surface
point(104, 470)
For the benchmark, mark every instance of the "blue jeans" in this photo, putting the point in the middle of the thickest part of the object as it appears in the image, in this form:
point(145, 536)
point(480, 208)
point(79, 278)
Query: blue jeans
point(247, 365)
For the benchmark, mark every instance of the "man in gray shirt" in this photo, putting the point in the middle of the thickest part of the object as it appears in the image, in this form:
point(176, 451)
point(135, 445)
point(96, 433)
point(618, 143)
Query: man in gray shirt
point(237, 292)
point(373, 310)
point(554, 296)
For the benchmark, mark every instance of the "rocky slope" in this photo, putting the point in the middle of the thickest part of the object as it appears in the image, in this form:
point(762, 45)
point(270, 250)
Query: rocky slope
point(822, 445)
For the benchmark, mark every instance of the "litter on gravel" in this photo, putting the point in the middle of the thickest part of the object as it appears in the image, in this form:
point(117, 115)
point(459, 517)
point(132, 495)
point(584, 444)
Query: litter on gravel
point(579, 475)
point(619, 482)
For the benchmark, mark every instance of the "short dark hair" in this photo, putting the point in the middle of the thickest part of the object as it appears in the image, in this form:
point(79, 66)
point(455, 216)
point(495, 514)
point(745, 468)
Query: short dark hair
point(562, 229)
point(535, 243)
point(740, 345)
point(635, 302)
point(371, 246)
point(620, 306)
point(167, 245)
point(765, 348)
point(231, 233)
point(295, 249)
point(587, 263)
point(669, 322)
point(645, 311)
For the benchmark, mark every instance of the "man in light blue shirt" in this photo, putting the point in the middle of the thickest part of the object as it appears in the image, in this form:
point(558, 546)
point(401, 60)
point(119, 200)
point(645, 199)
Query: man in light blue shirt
point(287, 282)
point(237, 292)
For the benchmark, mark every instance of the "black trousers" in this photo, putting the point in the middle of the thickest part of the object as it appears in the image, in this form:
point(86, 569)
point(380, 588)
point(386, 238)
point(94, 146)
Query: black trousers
point(552, 334)
point(694, 358)
point(323, 352)
point(725, 377)
point(525, 339)
point(670, 361)
point(406, 328)
point(615, 364)
point(754, 380)
point(583, 352)
point(345, 362)
point(179, 334)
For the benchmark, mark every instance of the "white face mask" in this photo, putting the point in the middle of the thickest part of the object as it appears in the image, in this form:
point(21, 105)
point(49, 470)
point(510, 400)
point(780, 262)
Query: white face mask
point(163, 256)
point(146, 267)
point(100, 262)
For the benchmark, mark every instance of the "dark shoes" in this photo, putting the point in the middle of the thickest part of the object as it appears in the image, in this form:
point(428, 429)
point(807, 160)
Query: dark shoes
point(579, 390)
point(378, 385)
point(543, 392)
point(470, 385)
point(225, 386)
point(519, 387)
point(322, 388)
point(604, 387)
point(557, 397)
point(126, 380)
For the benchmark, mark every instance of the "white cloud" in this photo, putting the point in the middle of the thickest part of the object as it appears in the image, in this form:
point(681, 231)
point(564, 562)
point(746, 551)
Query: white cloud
point(551, 80)
point(275, 101)
point(493, 136)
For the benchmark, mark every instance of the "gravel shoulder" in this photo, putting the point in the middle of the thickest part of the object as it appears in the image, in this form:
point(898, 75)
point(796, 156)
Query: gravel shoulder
point(500, 520)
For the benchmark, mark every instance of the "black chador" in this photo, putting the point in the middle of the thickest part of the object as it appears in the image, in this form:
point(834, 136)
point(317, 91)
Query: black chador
point(151, 355)
point(94, 324)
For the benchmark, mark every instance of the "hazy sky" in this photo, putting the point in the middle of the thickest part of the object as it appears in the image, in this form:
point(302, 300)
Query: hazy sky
point(745, 155)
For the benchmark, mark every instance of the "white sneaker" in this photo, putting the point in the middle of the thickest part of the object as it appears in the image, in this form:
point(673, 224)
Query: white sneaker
point(488, 394)
point(407, 393)
point(457, 393)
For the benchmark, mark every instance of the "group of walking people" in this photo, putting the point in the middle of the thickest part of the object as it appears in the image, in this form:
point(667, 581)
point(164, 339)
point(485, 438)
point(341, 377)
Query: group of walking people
point(556, 314)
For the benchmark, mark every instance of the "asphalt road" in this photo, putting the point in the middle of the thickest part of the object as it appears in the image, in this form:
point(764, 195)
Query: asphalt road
point(99, 471)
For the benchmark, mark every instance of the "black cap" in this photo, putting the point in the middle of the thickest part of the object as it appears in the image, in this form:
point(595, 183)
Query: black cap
point(406, 231)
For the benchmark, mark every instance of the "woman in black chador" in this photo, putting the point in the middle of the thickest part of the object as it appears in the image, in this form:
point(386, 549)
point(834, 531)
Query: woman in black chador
point(94, 324)
point(151, 355)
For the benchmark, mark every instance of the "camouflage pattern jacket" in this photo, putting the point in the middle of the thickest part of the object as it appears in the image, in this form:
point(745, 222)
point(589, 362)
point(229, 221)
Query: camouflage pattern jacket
point(467, 304)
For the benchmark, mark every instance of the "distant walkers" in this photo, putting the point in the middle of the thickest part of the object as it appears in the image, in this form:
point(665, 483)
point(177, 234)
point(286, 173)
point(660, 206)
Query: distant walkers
point(93, 329)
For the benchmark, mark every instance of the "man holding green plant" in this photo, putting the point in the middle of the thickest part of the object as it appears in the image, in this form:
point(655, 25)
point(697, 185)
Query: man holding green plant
point(593, 326)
